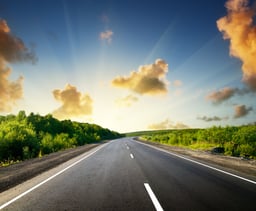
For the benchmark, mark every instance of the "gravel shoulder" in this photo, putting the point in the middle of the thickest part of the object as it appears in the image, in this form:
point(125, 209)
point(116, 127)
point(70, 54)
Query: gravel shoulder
point(236, 165)
point(15, 174)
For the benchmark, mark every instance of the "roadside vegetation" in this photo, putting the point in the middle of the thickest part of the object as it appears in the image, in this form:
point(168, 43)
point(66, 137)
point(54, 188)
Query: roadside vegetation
point(231, 140)
point(23, 137)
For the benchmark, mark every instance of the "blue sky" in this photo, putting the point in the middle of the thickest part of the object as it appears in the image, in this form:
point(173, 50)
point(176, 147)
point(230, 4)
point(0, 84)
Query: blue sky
point(184, 74)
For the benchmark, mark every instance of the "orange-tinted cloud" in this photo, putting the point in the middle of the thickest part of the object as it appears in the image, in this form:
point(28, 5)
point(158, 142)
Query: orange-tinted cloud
point(12, 49)
point(149, 79)
point(74, 103)
point(107, 35)
point(10, 91)
point(239, 27)
point(241, 111)
point(126, 101)
point(222, 95)
point(226, 93)
point(167, 124)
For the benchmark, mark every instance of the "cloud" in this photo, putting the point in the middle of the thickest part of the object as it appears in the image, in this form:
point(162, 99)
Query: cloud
point(226, 93)
point(149, 79)
point(211, 119)
point(241, 111)
point(10, 91)
point(12, 50)
point(239, 27)
point(74, 103)
point(177, 83)
point(222, 95)
point(107, 35)
point(126, 101)
point(180, 125)
point(167, 124)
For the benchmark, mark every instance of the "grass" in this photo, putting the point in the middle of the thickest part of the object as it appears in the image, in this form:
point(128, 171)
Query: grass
point(8, 163)
point(202, 146)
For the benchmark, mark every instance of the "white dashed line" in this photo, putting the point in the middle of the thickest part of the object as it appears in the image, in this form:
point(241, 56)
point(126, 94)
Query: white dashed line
point(132, 156)
point(153, 197)
point(127, 147)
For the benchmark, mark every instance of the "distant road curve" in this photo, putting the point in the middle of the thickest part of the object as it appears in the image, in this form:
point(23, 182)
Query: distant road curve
point(126, 175)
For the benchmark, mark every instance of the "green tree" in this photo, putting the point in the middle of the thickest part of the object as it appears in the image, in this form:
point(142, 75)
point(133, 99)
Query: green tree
point(23, 137)
point(18, 140)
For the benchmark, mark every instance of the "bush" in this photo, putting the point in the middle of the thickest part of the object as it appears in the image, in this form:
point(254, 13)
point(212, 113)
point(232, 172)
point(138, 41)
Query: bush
point(246, 150)
point(47, 144)
point(236, 141)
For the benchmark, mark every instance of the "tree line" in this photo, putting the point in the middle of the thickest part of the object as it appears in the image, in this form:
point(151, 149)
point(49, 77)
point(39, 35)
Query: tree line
point(23, 137)
point(235, 141)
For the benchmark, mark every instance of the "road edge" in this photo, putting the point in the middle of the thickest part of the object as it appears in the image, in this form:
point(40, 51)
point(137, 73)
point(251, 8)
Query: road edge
point(13, 194)
point(21, 172)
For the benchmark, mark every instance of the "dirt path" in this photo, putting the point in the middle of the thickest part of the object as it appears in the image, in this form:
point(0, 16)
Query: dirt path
point(20, 172)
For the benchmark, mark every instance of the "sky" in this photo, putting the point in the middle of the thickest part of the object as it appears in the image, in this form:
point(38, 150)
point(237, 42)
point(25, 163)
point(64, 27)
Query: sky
point(130, 65)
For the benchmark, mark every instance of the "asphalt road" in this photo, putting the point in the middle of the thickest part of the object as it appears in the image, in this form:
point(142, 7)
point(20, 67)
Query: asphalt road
point(126, 175)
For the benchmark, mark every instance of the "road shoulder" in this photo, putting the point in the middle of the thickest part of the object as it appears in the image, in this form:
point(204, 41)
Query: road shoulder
point(17, 173)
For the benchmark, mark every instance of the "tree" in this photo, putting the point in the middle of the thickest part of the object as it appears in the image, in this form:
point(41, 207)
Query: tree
point(23, 137)
point(18, 140)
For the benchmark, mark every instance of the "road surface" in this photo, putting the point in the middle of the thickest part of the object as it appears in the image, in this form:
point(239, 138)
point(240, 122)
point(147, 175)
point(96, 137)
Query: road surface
point(126, 175)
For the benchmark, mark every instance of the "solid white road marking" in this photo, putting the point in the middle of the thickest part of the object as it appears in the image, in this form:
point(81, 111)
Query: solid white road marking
point(48, 179)
point(153, 197)
point(132, 156)
point(202, 164)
